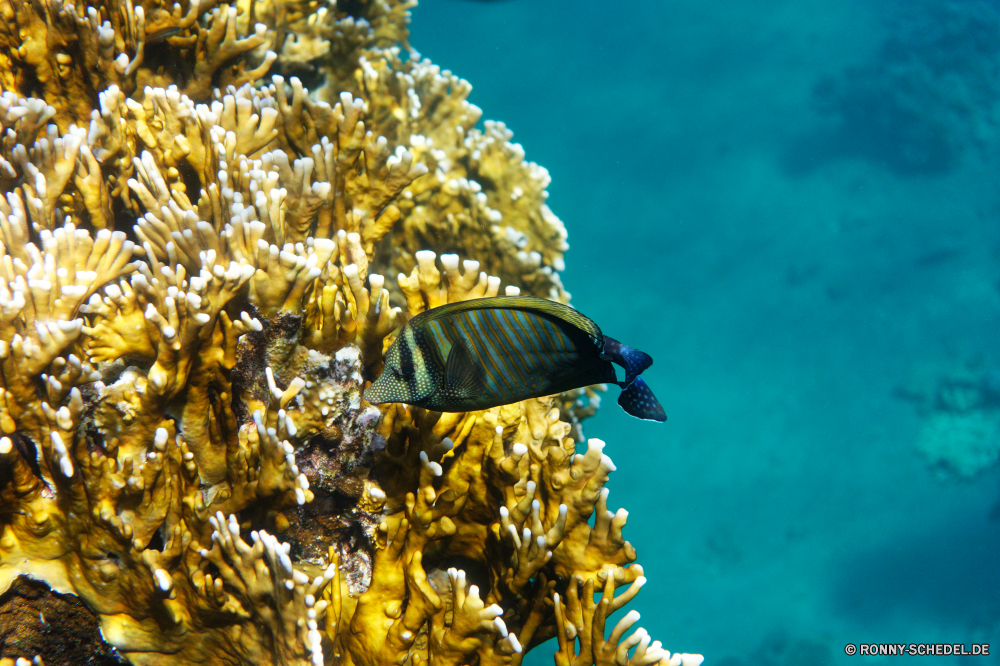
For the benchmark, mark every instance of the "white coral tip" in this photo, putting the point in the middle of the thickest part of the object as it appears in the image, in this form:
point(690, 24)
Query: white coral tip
point(163, 580)
point(57, 442)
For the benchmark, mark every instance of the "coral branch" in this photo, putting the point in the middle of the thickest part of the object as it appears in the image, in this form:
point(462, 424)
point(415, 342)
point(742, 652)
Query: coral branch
point(192, 300)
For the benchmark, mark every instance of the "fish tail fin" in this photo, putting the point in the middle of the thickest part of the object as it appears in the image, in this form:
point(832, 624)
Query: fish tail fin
point(639, 401)
point(633, 360)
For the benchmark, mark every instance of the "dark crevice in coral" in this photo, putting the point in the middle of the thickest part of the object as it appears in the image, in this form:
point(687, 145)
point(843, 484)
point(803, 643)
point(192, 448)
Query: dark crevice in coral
point(355, 8)
point(312, 78)
point(156, 541)
point(27, 449)
point(161, 57)
point(30, 86)
point(189, 176)
point(35, 621)
point(124, 219)
point(248, 379)
point(95, 441)
point(475, 572)
point(111, 371)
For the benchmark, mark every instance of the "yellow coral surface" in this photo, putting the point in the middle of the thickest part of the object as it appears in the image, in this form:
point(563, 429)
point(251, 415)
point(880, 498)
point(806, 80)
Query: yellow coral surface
point(192, 250)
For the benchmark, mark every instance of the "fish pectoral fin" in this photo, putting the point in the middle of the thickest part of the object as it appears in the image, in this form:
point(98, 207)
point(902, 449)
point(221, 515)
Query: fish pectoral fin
point(463, 378)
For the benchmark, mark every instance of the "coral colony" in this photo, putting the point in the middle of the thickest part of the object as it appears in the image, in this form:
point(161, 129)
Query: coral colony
point(191, 302)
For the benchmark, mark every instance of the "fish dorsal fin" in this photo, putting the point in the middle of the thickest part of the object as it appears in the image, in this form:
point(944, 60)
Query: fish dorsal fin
point(463, 378)
point(540, 306)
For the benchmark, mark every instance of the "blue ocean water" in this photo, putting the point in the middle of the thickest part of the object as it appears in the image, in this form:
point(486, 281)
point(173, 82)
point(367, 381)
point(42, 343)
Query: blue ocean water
point(793, 206)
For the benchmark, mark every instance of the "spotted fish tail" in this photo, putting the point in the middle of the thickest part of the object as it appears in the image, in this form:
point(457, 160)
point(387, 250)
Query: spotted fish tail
point(640, 402)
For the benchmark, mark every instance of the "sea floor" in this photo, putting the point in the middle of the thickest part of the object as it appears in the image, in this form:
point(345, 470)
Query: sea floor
point(803, 306)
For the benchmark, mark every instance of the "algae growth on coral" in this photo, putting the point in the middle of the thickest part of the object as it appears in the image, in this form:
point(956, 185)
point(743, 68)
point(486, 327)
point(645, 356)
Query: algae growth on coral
point(199, 204)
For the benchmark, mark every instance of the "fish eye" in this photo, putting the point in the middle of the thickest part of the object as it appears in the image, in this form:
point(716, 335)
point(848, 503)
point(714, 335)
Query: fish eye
point(405, 366)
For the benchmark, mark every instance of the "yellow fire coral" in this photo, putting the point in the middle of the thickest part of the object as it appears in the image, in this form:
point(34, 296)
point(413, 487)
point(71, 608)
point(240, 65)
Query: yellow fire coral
point(191, 249)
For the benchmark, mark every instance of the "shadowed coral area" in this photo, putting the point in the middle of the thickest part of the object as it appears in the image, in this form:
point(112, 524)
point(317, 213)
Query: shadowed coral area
point(192, 250)
point(34, 619)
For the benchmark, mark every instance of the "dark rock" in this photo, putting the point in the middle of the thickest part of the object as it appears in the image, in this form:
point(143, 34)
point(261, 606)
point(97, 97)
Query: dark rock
point(35, 621)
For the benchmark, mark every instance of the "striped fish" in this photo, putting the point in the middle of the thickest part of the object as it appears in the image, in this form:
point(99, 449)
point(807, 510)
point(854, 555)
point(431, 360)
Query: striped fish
point(485, 352)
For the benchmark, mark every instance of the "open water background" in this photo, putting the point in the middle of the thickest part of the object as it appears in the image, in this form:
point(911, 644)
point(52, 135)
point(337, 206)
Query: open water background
point(794, 206)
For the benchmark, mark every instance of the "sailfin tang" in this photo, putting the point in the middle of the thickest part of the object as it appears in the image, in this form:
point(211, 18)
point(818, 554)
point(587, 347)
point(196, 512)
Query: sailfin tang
point(633, 360)
point(639, 401)
point(463, 377)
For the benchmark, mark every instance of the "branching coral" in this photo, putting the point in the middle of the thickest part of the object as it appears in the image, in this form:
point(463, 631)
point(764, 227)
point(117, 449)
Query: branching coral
point(927, 96)
point(960, 434)
point(191, 249)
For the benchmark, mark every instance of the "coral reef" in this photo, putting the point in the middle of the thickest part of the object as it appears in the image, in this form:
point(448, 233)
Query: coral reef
point(192, 246)
point(926, 97)
point(960, 434)
point(780, 649)
point(959, 408)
